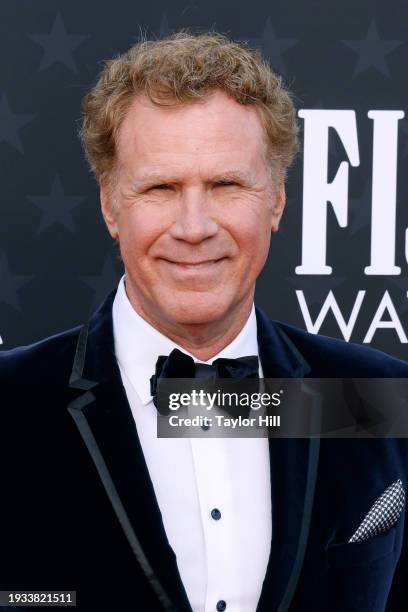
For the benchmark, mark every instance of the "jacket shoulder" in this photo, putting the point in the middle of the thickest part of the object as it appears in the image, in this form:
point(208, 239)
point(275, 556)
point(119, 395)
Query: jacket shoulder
point(336, 357)
point(49, 358)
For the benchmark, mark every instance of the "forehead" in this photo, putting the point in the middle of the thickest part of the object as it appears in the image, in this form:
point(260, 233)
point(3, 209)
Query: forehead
point(205, 133)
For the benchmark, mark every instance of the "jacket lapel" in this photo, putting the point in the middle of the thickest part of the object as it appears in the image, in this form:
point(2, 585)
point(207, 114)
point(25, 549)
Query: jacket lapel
point(105, 422)
point(293, 464)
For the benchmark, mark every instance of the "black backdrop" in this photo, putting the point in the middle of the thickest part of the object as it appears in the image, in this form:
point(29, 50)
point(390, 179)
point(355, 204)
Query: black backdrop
point(57, 261)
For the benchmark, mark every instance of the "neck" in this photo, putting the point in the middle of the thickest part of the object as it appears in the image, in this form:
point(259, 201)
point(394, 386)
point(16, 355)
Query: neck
point(203, 340)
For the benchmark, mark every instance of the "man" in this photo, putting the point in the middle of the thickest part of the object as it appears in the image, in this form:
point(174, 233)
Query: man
point(190, 139)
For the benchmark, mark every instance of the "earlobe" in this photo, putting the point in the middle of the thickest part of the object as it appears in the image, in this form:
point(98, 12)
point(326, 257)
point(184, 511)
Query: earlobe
point(280, 200)
point(106, 207)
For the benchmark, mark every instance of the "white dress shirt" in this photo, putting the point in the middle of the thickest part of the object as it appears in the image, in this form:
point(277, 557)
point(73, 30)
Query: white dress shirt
point(221, 559)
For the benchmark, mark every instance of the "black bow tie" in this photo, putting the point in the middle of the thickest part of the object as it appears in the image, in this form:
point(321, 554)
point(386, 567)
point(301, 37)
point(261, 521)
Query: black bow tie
point(180, 365)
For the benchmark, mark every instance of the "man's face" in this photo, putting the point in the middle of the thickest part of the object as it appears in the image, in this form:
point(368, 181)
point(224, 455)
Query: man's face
point(195, 206)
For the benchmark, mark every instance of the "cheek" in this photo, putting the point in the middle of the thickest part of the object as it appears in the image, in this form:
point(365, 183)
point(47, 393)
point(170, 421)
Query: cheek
point(252, 235)
point(138, 231)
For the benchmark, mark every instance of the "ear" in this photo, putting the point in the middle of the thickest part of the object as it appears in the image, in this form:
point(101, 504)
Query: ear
point(106, 206)
point(279, 205)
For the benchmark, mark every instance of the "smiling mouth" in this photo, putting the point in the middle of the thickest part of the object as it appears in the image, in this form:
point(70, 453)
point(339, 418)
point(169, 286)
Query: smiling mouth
point(191, 265)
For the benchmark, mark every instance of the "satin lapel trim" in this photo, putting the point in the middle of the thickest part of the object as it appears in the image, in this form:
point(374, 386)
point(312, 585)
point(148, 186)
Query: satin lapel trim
point(76, 408)
point(294, 466)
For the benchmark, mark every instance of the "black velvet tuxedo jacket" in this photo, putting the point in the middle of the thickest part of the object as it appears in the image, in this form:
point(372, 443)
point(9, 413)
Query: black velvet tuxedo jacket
point(78, 510)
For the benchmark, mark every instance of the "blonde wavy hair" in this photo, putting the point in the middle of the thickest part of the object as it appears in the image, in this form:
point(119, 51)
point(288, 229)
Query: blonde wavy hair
point(181, 69)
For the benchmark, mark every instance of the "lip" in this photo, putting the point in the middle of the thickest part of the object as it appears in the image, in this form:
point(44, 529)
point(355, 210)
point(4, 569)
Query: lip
point(194, 265)
point(201, 271)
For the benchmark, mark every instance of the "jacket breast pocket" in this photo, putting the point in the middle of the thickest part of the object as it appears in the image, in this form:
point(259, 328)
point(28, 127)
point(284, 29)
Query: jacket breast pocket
point(368, 551)
point(359, 574)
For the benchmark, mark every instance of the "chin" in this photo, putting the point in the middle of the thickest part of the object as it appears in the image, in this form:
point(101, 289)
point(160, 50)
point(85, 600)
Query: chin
point(196, 311)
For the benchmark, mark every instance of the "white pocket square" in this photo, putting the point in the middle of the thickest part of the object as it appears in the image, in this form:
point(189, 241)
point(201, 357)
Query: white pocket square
point(383, 514)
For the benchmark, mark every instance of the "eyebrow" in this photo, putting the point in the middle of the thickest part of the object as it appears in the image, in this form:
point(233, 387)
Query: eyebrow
point(248, 178)
point(156, 178)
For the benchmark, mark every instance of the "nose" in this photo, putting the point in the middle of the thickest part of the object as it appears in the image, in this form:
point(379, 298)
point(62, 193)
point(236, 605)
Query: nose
point(193, 222)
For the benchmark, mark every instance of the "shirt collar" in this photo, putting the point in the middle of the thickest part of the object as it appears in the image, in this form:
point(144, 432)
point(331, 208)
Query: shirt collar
point(138, 344)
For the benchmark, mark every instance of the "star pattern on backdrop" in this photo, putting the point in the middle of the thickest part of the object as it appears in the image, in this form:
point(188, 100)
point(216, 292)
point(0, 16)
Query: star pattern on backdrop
point(58, 45)
point(56, 206)
point(272, 46)
point(59, 41)
point(10, 284)
point(372, 51)
point(103, 283)
point(11, 124)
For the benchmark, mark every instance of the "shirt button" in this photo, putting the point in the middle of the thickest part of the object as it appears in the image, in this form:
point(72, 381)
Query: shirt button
point(221, 605)
point(205, 427)
point(216, 514)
